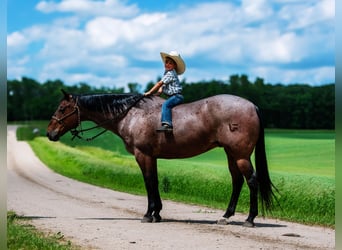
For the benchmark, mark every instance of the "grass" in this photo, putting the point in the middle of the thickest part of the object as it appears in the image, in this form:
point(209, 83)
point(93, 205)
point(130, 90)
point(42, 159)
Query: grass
point(22, 235)
point(301, 165)
point(301, 152)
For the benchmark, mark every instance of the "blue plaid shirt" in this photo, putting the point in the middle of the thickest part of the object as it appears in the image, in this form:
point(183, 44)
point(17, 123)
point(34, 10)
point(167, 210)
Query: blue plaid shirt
point(171, 83)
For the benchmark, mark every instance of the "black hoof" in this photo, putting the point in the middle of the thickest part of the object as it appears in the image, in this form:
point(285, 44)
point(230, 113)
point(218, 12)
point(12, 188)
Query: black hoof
point(156, 218)
point(248, 224)
point(147, 219)
point(223, 221)
point(151, 219)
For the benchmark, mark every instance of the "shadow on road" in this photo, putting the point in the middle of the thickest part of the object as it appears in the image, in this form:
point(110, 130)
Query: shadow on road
point(188, 221)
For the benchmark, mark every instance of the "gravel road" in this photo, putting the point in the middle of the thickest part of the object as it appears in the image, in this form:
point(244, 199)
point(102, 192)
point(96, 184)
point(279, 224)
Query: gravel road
point(98, 218)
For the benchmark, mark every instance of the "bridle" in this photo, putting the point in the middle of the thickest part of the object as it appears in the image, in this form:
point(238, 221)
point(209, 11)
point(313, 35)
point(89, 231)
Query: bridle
point(75, 132)
point(76, 109)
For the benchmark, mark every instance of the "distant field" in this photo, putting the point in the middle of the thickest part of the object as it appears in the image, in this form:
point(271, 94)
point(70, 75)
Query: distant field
point(296, 151)
point(301, 152)
point(302, 166)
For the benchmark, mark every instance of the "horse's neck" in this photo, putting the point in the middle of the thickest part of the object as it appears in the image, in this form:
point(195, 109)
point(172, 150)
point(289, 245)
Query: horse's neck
point(105, 120)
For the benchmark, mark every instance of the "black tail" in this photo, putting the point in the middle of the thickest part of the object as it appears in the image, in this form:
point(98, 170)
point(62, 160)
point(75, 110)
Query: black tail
point(265, 184)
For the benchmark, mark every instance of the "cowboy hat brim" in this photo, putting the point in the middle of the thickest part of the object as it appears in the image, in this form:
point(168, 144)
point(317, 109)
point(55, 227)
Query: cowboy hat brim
point(177, 58)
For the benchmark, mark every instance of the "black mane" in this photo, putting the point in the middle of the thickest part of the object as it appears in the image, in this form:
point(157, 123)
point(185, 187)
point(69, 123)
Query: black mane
point(117, 105)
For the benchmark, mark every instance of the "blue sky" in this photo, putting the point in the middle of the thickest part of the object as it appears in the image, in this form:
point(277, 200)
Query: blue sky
point(112, 42)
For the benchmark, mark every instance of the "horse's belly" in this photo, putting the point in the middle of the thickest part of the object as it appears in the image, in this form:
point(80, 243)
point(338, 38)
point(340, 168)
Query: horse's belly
point(184, 151)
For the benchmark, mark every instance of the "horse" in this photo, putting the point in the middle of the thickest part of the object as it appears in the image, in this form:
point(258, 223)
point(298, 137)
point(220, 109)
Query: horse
point(226, 121)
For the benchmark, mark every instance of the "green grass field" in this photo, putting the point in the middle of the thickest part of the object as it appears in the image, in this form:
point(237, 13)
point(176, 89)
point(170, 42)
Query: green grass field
point(302, 167)
point(22, 235)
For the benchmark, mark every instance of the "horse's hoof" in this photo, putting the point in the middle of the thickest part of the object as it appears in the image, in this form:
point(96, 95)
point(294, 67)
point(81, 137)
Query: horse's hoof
point(223, 221)
point(147, 219)
point(248, 224)
point(156, 218)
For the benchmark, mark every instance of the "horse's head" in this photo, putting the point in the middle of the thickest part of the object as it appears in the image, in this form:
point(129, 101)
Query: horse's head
point(66, 117)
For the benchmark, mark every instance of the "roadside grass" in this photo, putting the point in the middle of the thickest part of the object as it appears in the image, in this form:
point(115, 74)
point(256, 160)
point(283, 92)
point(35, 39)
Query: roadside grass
point(30, 129)
point(301, 167)
point(22, 235)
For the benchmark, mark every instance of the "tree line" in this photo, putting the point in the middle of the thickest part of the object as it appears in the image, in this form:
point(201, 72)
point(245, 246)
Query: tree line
point(295, 106)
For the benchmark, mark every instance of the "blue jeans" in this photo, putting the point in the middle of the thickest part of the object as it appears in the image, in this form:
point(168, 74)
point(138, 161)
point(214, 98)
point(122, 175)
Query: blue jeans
point(166, 116)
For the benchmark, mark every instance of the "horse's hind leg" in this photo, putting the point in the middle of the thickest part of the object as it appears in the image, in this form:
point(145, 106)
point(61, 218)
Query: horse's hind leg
point(239, 170)
point(237, 181)
point(246, 168)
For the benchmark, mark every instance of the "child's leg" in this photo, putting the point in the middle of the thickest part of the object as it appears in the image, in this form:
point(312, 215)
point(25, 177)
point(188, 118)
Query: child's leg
point(166, 116)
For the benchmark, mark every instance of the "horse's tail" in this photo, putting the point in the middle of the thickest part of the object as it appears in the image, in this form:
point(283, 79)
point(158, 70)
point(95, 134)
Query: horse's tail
point(265, 184)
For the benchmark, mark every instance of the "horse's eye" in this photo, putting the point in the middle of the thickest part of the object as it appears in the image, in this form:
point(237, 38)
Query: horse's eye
point(61, 109)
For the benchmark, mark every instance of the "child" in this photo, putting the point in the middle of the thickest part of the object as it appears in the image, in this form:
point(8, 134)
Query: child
point(170, 86)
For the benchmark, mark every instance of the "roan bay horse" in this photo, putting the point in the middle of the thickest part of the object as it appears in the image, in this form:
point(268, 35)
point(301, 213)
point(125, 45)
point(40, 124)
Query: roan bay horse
point(226, 121)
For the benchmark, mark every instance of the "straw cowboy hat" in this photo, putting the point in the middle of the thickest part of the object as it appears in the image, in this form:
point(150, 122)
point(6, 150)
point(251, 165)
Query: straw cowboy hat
point(174, 55)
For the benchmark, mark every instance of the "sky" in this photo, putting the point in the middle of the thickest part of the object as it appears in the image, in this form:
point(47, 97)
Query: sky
point(115, 42)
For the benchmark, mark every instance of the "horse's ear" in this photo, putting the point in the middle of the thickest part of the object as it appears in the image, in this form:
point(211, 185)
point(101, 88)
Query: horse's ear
point(66, 95)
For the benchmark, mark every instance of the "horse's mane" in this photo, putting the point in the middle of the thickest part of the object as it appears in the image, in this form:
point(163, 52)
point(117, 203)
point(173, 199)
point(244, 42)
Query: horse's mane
point(117, 105)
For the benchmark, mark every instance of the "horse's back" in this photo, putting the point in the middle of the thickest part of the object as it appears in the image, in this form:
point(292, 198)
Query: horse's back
point(223, 120)
point(220, 107)
point(213, 111)
point(222, 100)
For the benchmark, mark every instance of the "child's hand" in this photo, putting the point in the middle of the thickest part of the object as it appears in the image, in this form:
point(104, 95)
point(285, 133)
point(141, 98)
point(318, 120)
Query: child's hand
point(160, 91)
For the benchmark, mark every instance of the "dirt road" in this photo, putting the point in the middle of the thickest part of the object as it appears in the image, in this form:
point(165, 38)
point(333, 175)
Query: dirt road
point(98, 218)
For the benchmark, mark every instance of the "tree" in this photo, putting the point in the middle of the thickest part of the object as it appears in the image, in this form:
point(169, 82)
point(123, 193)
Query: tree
point(134, 88)
point(299, 106)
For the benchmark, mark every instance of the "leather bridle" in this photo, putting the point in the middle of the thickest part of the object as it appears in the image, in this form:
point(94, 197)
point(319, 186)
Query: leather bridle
point(76, 110)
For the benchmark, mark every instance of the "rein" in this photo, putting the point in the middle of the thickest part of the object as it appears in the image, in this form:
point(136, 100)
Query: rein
point(75, 132)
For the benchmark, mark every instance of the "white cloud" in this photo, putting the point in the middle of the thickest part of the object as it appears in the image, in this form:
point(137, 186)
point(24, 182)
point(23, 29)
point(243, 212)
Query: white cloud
point(275, 48)
point(302, 15)
point(19, 41)
point(287, 76)
point(99, 45)
point(18, 66)
point(88, 7)
point(256, 9)
point(16, 39)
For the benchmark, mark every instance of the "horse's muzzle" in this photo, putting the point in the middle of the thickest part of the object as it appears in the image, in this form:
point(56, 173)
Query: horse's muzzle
point(53, 136)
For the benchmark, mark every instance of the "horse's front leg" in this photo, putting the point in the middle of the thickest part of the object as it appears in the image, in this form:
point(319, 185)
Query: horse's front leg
point(148, 166)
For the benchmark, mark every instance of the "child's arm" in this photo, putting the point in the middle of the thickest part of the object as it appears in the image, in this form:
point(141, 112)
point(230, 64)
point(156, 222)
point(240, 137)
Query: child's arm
point(157, 86)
